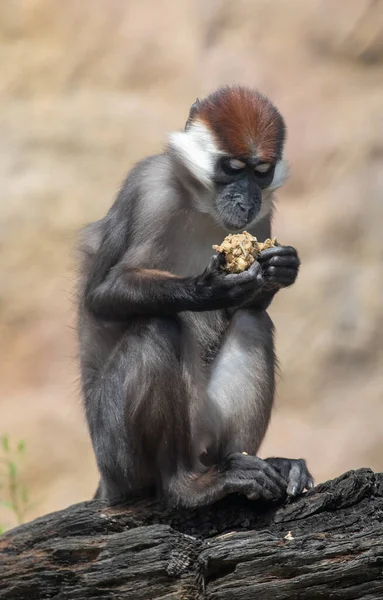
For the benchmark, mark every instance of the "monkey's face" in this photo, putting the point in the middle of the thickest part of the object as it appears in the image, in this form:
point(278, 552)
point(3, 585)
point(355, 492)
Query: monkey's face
point(240, 184)
point(230, 155)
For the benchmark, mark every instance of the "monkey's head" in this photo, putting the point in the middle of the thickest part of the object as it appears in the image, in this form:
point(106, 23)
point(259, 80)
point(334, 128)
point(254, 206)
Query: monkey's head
point(232, 152)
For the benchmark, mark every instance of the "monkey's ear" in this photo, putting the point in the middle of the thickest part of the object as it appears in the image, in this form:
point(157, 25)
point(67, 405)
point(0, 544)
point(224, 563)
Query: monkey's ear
point(193, 109)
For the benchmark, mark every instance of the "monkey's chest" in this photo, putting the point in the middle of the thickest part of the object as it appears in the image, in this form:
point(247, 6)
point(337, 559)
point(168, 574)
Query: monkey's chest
point(192, 259)
point(193, 249)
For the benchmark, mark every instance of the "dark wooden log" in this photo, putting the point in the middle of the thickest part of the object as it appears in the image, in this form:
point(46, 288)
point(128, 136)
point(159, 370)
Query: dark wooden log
point(326, 544)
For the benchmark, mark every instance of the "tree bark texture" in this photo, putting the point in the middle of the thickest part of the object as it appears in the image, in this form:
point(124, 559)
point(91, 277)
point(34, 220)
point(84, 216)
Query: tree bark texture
point(325, 544)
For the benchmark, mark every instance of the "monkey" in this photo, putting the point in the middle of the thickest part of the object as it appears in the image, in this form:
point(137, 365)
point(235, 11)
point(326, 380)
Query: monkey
point(177, 357)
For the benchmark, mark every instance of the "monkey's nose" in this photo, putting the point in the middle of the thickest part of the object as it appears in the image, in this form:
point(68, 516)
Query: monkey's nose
point(242, 206)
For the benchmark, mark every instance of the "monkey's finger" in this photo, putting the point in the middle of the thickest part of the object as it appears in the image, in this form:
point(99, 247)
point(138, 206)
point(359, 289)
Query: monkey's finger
point(294, 485)
point(277, 251)
point(251, 275)
point(259, 465)
point(282, 275)
point(255, 491)
point(308, 480)
point(249, 487)
point(275, 477)
point(271, 485)
point(299, 478)
point(254, 496)
point(281, 261)
point(260, 492)
point(255, 270)
point(258, 488)
point(252, 271)
point(310, 483)
point(247, 467)
point(216, 262)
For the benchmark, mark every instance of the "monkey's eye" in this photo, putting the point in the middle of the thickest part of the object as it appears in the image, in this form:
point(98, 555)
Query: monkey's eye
point(233, 165)
point(263, 168)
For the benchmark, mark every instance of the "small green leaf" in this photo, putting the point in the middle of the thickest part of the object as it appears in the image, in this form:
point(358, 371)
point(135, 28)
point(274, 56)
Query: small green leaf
point(12, 470)
point(3, 529)
point(5, 442)
point(21, 447)
point(6, 504)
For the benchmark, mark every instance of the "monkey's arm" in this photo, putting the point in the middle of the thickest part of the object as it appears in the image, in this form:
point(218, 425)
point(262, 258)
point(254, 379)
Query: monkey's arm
point(126, 292)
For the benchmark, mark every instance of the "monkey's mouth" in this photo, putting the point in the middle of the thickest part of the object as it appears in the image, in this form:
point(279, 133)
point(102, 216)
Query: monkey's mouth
point(238, 216)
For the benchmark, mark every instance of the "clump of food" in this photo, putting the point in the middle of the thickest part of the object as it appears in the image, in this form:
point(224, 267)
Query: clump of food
point(241, 250)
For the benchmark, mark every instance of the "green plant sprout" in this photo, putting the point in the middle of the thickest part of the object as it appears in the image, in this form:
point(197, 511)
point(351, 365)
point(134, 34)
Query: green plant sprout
point(13, 492)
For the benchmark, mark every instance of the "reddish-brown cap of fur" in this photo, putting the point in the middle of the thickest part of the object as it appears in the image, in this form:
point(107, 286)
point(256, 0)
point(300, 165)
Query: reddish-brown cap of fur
point(243, 122)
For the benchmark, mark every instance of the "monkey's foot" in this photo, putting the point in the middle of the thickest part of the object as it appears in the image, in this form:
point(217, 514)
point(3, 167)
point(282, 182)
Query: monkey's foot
point(253, 477)
point(295, 472)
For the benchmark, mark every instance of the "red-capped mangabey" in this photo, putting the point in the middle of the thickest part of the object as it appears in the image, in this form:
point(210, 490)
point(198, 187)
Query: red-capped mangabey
point(177, 357)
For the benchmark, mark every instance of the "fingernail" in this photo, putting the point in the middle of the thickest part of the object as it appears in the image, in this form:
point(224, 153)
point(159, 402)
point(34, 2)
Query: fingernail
point(292, 490)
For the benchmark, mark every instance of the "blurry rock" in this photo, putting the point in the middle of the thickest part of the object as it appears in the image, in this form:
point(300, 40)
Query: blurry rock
point(351, 29)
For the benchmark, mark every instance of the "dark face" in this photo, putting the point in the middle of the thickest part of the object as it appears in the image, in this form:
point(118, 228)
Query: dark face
point(239, 183)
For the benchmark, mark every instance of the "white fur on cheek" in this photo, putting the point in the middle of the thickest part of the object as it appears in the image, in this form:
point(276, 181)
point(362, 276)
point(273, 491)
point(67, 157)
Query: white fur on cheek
point(197, 150)
point(280, 175)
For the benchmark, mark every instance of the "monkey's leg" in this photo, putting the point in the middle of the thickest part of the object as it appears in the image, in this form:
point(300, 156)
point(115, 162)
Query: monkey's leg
point(242, 380)
point(242, 384)
point(240, 391)
point(136, 409)
point(150, 422)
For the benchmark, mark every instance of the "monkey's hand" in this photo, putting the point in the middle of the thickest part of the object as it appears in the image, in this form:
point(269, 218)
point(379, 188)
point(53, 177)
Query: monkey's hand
point(295, 472)
point(253, 477)
point(280, 266)
point(217, 289)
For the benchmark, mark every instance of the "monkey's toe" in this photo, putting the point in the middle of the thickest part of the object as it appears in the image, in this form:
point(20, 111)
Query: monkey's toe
point(296, 473)
point(254, 478)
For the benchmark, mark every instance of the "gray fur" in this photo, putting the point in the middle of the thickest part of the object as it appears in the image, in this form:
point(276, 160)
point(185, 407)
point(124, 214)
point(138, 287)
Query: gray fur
point(161, 392)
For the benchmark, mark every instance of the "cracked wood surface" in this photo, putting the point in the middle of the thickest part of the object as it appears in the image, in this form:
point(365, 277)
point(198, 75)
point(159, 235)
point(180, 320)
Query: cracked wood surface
point(325, 544)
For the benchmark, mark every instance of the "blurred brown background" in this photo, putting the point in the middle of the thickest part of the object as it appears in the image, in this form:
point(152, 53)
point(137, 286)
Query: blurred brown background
point(89, 87)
